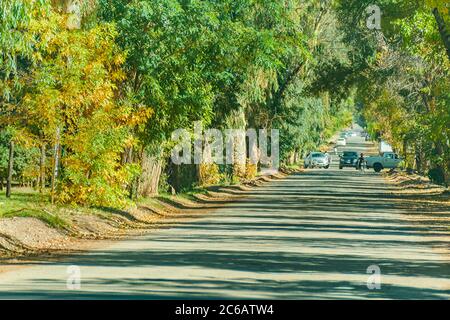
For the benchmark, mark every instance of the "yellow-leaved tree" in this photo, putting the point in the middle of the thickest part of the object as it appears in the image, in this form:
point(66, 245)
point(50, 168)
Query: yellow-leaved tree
point(73, 104)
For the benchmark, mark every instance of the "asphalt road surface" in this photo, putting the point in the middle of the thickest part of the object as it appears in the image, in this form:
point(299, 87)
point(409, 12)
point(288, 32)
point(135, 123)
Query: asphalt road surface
point(311, 235)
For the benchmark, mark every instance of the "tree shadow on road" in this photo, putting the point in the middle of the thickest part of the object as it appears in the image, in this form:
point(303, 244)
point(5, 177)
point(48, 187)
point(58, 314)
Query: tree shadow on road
point(286, 242)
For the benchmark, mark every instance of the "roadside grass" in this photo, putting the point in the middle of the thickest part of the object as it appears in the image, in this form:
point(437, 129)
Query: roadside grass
point(151, 202)
point(293, 167)
point(26, 202)
point(190, 195)
point(187, 195)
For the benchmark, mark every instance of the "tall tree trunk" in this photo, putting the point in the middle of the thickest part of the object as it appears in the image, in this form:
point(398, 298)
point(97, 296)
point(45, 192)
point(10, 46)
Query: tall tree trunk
point(441, 166)
point(408, 164)
point(10, 169)
point(55, 164)
point(419, 159)
point(239, 156)
point(291, 158)
point(175, 176)
point(132, 186)
point(297, 156)
point(198, 174)
point(41, 180)
point(151, 174)
point(445, 34)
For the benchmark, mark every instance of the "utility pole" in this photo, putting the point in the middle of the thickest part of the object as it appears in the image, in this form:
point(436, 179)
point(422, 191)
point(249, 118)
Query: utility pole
point(445, 34)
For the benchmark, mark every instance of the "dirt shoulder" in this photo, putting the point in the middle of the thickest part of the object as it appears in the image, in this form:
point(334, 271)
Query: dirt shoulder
point(84, 229)
point(417, 189)
point(427, 204)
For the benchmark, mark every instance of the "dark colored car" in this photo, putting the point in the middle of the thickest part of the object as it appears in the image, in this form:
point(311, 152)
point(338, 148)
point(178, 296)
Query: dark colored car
point(348, 159)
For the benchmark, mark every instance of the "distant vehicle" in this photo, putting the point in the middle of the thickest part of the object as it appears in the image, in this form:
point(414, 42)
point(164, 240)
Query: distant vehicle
point(348, 159)
point(387, 160)
point(341, 142)
point(317, 159)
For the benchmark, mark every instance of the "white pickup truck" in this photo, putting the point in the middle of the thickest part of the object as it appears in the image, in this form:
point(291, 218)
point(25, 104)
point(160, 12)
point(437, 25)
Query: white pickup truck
point(386, 160)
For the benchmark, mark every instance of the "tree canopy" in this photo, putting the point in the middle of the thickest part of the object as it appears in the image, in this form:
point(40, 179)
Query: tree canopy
point(92, 90)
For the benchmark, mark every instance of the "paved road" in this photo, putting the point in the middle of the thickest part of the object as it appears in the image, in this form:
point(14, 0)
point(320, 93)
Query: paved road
point(311, 235)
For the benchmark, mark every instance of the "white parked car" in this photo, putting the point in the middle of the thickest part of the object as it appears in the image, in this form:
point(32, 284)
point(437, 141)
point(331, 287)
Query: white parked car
point(317, 159)
point(386, 160)
point(341, 142)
